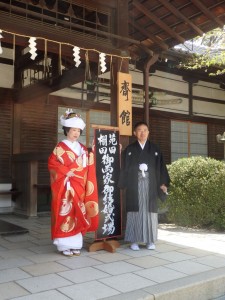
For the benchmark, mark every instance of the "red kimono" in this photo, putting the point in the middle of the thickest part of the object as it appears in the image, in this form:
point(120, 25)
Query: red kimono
point(74, 204)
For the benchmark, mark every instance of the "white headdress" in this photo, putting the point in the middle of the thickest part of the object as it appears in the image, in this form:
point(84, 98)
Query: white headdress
point(74, 121)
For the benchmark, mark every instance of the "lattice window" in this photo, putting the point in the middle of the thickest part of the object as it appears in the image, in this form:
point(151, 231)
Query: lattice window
point(188, 139)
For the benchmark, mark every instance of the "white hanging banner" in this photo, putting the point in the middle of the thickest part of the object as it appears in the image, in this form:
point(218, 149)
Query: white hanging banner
point(1, 37)
point(32, 46)
point(102, 58)
point(76, 55)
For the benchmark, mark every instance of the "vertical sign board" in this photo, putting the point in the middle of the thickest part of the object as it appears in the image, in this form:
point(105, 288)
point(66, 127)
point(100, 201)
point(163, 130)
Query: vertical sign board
point(124, 98)
point(107, 151)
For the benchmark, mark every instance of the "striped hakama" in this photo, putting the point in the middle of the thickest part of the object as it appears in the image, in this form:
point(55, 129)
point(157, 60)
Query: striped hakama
point(142, 226)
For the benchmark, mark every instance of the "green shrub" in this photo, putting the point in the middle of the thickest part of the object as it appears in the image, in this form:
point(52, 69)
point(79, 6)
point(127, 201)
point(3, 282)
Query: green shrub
point(197, 193)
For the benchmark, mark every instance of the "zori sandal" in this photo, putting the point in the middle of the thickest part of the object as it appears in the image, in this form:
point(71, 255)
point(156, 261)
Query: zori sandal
point(134, 247)
point(67, 253)
point(75, 252)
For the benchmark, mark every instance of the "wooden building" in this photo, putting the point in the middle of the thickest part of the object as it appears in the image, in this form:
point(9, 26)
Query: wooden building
point(185, 110)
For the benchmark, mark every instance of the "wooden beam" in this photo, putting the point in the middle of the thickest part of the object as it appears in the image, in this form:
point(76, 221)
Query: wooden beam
point(157, 21)
point(43, 89)
point(207, 12)
point(25, 62)
point(6, 61)
point(6, 45)
point(178, 14)
point(84, 104)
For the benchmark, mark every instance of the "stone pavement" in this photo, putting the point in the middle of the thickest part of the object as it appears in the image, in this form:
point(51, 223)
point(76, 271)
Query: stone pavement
point(186, 265)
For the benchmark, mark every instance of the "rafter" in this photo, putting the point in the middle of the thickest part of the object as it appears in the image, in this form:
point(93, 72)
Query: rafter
point(157, 21)
point(207, 12)
point(178, 14)
point(152, 37)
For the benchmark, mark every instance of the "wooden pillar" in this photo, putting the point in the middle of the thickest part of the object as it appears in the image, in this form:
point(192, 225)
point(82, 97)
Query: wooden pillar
point(16, 135)
point(55, 65)
point(33, 175)
point(190, 81)
point(119, 65)
point(150, 61)
point(17, 70)
point(122, 23)
point(27, 165)
point(190, 97)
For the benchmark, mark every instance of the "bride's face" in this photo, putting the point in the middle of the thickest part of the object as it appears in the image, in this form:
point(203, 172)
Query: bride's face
point(73, 134)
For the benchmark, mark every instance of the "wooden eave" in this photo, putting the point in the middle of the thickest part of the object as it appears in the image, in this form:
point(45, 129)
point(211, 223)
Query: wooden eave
point(155, 26)
point(173, 22)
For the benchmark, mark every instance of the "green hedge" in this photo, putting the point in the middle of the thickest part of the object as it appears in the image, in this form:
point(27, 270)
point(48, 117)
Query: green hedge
point(197, 193)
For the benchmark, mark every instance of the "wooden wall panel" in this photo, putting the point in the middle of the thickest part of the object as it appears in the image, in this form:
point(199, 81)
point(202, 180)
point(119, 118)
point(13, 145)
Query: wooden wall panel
point(159, 132)
point(6, 113)
point(39, 132)
point(38, 127)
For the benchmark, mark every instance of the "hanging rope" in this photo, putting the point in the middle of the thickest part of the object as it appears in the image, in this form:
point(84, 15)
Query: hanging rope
point(68, 44)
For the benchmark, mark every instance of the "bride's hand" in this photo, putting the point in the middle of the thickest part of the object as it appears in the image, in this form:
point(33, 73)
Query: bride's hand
point(93, 145)
point(70, 174)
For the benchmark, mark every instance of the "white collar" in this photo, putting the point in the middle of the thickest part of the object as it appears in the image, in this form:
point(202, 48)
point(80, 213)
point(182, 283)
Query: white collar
point(142, 145)
point(74, 146)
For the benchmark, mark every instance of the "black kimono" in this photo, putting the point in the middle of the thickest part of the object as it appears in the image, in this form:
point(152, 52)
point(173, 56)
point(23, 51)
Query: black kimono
point(133, 156)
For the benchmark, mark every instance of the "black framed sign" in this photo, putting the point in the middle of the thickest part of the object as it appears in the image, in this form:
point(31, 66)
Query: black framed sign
point(107, 151)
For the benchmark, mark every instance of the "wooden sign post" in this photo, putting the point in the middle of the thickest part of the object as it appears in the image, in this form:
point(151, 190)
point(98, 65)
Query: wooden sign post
point(107, 153)
point(124, 98)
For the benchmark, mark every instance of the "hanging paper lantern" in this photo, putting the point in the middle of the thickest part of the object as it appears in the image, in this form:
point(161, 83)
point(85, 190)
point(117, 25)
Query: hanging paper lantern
point(76, 54)
point(102, 58)
point(1, 36)
point(32, 46)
